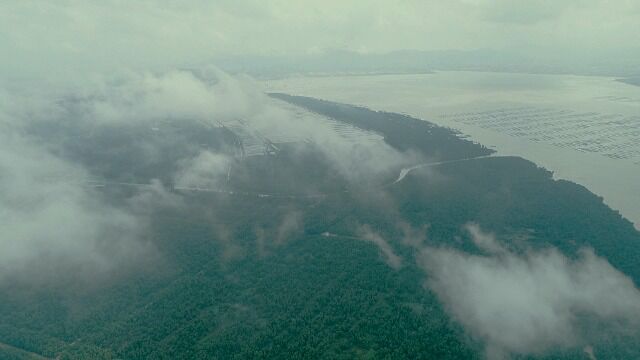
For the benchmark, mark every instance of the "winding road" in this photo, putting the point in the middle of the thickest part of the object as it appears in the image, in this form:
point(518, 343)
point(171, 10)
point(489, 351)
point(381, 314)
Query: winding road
point(405, 171)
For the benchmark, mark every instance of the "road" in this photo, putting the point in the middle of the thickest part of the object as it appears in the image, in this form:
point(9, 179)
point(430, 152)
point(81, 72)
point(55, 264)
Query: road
point(404, 172)
point(23, 353)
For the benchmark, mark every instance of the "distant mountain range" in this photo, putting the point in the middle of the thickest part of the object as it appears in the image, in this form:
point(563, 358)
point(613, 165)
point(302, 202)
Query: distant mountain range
point(631, 80)
point(624, 63)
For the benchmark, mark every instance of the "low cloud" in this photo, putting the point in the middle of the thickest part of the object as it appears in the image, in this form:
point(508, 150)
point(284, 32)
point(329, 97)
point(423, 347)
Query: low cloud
point(531, 302)
point(59, 145)
point(154, 196)
point(206, 170)
point(291, 224)
point(211, 98)
point(52, 225)
point(386, 251)
point(288, 227)
point(354, 154)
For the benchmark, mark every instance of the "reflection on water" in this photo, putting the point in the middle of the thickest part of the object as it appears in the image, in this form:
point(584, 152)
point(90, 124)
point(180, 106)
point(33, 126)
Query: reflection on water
point(584, 129)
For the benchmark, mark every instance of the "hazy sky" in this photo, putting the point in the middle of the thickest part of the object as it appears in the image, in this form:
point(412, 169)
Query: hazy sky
point(40, 37)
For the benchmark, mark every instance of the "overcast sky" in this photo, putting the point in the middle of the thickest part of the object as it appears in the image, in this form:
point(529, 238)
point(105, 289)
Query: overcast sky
point(38, 37)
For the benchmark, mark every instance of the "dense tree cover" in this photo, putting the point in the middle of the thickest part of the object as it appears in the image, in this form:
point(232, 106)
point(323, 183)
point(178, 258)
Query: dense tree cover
point(241, 276)
point(8, 352)
point(400, 131)
point(135, 151)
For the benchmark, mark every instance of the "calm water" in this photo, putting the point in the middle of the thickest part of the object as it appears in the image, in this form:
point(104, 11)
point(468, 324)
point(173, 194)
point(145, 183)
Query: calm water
point(584, 129)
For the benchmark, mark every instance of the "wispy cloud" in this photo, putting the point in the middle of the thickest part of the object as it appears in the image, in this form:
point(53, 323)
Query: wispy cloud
point(52, 226)
point(52, 137)
point(530, 302)
point(385, 249)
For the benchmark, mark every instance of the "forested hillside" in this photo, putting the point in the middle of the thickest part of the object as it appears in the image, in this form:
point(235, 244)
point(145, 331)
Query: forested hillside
point(284, 260)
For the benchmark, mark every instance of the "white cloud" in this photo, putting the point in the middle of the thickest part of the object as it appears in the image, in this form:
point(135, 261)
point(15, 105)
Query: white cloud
point(484, 241)
point(531, 302)
point(208, 170)
point(52, 226)
point(386, 251)
point(200, 95)
point(290, 225)
point(49, 213)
